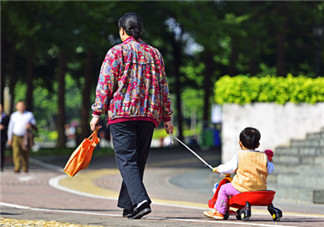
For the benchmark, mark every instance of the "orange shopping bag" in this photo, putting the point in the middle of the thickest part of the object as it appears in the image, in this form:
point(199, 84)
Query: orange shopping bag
point(81, 157)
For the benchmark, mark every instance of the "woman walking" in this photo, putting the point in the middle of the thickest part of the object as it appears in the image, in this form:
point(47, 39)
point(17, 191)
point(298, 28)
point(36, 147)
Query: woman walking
point(133, 92)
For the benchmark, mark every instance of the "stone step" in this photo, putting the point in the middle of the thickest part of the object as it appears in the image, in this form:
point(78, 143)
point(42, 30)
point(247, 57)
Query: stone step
point(309, 143)
point(299, 151)
point(297, 194)
point(285, 150)
point(285, 169)
point(320, 161)
point(272, 179)
point(298, 176)
point(298, 159)
point(291, 180)
point(313, 170)
point(317, 135)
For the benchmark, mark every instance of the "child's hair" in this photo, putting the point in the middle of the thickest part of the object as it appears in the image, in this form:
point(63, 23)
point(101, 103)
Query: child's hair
point(250, 138)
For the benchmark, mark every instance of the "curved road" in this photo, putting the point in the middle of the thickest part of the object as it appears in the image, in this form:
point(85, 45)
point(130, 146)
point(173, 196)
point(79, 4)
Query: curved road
point(179, 185)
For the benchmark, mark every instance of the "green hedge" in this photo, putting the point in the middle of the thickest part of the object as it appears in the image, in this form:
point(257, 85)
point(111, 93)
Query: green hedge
point(243, 89)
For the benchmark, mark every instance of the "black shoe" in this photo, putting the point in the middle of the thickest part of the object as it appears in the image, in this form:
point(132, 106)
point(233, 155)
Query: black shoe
point(127, 212)
point(140, 211)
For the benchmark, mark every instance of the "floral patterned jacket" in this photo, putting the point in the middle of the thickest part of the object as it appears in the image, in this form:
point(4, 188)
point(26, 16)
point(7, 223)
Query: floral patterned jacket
point(132, 84)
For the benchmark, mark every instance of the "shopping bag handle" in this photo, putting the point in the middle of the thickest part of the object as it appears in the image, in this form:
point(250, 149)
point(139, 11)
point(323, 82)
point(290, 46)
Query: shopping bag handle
point(95, 132)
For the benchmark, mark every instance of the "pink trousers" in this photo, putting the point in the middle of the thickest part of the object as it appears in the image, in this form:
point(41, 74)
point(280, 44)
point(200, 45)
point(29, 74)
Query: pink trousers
point(225, 191)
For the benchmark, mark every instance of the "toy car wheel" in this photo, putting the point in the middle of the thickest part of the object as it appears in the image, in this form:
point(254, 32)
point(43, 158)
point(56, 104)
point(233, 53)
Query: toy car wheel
point(244, 215)
point(275, 217)
point(226, 216)
point(238, 216)
point(275, 212)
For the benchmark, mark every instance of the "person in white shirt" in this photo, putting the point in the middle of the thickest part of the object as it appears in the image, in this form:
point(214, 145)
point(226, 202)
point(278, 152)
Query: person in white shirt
point(20, 122)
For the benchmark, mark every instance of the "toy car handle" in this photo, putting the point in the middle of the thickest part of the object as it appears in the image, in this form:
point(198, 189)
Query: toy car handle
point(228, 177)
point(194, 153)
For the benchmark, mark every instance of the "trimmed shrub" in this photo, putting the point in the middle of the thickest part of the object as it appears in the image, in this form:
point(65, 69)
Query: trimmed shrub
point(242, 89)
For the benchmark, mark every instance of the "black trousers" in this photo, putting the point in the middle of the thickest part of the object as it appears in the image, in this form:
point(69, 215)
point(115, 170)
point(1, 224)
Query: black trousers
point(132, 141)
point(3, 151)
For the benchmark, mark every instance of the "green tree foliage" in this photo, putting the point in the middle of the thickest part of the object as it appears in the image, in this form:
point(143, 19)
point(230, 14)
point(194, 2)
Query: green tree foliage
point(46, 103)
point(243, 89)
point(232, 38)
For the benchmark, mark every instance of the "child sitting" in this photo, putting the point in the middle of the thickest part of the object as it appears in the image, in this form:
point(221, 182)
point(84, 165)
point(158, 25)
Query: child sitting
point(252, 168)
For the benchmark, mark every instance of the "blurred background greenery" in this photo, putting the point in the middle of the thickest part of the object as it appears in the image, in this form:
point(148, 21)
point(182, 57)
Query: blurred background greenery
point(51, 53)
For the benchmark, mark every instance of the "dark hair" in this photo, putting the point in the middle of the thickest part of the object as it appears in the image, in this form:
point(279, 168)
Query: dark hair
point(132, 24)
point(250, 137)
point(21, 100)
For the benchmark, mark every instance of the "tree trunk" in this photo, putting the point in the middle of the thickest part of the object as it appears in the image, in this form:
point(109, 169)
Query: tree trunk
point(177, 48)
point(281, 39)
point(207, 86)
point(4, 49)
point(281, 53)
point(12, 78)
point(233, 59)
point(30, 79)
point(85, 128)
point(61, 140)
point(252, 60)
point(252, 65)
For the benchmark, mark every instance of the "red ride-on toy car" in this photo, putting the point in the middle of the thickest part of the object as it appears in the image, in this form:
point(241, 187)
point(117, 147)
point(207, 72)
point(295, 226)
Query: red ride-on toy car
point(245, 200)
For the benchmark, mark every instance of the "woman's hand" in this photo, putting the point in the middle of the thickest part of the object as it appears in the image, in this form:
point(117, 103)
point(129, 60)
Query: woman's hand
point(168, 127)
point(94, 123)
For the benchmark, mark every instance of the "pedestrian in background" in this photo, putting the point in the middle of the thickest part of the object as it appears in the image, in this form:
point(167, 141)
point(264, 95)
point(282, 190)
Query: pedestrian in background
point(4, 120)
point(133, 92)
point(20, 125)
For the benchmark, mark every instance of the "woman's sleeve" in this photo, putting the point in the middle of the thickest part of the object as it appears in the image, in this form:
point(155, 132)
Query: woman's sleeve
point(166, 101)
point(107, 82)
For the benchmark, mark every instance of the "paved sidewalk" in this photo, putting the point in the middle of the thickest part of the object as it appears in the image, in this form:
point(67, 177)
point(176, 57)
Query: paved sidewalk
point(178, 183)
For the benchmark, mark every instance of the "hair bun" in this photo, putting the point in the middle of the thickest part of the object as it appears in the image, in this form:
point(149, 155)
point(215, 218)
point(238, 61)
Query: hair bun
point(136, 33)
point(132, 24)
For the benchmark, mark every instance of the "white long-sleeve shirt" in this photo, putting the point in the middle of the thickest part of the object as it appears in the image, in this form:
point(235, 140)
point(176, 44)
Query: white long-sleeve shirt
point(18, 122)
point(231, 166)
